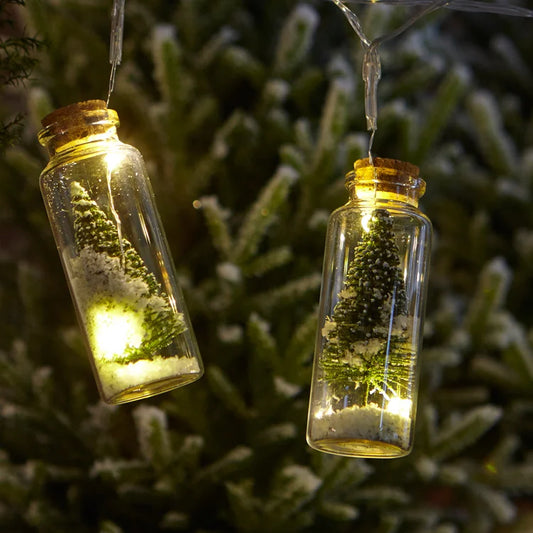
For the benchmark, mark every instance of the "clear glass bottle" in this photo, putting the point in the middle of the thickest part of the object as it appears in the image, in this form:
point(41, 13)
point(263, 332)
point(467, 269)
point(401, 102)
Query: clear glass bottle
point(115, 256)
point(365, 376)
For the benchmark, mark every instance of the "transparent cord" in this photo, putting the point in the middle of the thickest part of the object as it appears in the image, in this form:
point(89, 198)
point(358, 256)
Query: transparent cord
point(371, 70)
point(479, 6)
point(115, 45)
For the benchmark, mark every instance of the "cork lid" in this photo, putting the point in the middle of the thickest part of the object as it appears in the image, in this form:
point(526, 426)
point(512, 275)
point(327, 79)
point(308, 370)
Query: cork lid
point(389, 178)
point(76, 121)
point(401, 167)
point(69, 113)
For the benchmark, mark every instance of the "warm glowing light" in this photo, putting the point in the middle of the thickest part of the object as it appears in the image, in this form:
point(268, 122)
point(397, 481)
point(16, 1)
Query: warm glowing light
point(113, 327)
point(400, 406)
point(138, 371)
point(365, 221)
point(321, 413)
point(113, 160)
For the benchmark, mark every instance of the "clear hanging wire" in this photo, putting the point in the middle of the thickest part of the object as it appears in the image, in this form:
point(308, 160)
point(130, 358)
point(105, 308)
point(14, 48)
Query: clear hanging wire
point(371, 71)
point(115, 45)
point(500, 7)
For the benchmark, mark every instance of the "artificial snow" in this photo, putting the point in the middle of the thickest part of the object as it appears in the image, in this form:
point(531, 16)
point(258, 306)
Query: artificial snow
point(369, 423)
point(118, 377)
point(99, 280)
point(98, 273)
point(112, 303)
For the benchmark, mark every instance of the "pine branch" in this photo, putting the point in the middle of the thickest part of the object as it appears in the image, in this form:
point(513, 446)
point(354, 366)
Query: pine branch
point(296, 39)
point(17, 61)
point(332, 128)
point(241, 64)
point(10, 131)
point(227, 392)
point(289, 292)
point(465, 431)
point(268, 261)
point(153, 435)
point(491, 291)
point(236, 460)
point(294, 487)
point(168, 61)
point(299, 352)
point(216, 218)
point(263, 213)
point(339, 512)
point(499, 505)
point(244, 506)
point(493, 140)
point(448, 96)
point(496, 373)
point(383, 495)
point(263, 343)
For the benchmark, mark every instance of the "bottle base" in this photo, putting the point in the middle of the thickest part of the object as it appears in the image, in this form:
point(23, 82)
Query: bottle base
point(153, 388)
point(362, 448)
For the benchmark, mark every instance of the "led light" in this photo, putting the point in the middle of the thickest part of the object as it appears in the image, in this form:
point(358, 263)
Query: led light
point(365, 221)
point(114, 327)
point(400, 406)
point(113, 160)
point(321, 413)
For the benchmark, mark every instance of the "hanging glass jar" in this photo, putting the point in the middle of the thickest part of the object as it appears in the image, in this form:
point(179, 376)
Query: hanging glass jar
point(365, 376)
point(115, 256)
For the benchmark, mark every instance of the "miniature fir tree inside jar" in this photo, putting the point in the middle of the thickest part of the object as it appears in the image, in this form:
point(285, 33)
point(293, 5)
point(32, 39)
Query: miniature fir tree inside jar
point(115, 256)
point(365, 375)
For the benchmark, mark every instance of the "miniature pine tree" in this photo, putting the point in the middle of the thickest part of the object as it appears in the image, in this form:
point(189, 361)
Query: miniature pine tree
point(95, 231)
point(93, 228)
point(364, 335)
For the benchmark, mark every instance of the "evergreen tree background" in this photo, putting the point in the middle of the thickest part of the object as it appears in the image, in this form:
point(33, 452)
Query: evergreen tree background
point(17, 59)
point(248, 114)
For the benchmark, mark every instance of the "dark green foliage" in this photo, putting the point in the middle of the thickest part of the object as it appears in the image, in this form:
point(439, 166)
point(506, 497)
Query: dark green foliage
point(259, 136)
point(92, 229)
point(361, 349)
point(17, 60)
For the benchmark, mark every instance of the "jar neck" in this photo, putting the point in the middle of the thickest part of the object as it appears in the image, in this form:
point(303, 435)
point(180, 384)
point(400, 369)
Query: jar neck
point(77, 124)
point(385, 179)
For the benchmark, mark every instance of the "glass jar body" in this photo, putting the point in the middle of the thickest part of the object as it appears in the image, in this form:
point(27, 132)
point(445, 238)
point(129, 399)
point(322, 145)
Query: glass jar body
point(365, 375)
point(119, 269)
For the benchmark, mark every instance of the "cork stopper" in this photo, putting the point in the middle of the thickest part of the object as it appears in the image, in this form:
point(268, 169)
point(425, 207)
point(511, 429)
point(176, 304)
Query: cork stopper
point(385, 178)
point(77, 121)
point(401, 167)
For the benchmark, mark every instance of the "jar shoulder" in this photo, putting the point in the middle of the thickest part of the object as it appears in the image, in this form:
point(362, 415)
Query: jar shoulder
point(355, 210)
point(84, 151)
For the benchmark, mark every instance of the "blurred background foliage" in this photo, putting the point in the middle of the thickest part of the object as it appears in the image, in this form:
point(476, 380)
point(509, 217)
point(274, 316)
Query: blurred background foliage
point(248, 114)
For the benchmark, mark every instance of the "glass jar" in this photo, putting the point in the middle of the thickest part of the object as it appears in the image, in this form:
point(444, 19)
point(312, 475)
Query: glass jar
point(115, 256)
point(365, 375)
